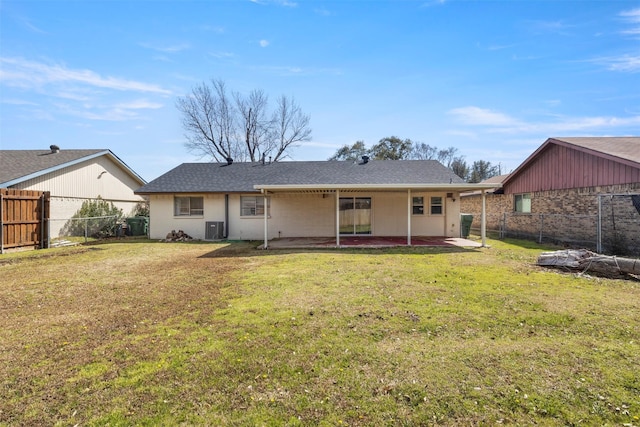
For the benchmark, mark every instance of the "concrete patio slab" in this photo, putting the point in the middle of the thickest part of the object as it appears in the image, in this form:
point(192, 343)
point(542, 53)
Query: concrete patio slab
point(368, 242)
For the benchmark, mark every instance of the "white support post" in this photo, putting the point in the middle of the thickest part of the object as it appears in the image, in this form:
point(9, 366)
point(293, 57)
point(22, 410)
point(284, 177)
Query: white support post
point(483, 223)
point(409, 205)
point(266, 229)
point(338, 218)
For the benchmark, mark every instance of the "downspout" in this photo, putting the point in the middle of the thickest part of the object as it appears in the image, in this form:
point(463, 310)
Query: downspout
point(266, 231)
point(338, 218)
point(483, 224)
point(408, 217)
point(226, 216)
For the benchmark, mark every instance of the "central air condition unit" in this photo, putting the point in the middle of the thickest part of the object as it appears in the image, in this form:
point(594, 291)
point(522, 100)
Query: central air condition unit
point(214, 230)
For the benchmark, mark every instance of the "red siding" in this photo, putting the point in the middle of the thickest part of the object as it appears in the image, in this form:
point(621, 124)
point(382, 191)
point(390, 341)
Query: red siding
point(558, 167)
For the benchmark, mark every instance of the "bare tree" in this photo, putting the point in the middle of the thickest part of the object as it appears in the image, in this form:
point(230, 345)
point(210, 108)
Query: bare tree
point(208, 119)
point(290, 127)
point(252, 111)
point(241, 127)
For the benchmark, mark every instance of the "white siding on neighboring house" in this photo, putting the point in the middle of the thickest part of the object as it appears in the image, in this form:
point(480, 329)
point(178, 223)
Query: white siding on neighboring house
point(95, 177)
point(73, 185)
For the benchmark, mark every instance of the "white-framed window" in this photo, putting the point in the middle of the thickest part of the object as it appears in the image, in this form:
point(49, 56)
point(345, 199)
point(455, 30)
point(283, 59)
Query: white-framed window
point(436, 206)
point(417, 206)
point(253, 206)
point(522, 203)
point(188, 206)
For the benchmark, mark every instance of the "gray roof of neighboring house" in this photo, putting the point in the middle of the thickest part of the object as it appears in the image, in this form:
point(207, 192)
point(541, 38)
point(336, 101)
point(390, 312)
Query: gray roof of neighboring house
point(625, 148)
point(241, 177)
point(20, 165)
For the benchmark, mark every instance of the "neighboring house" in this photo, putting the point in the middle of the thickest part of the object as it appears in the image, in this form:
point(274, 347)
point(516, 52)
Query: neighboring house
point(307, 199)
point(581, 191)
point(71, 177)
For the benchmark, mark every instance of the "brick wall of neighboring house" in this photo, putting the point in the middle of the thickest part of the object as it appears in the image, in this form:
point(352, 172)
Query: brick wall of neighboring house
point(566, 216)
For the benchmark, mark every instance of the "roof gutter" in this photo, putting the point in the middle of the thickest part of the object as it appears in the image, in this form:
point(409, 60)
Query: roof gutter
point(384, 187)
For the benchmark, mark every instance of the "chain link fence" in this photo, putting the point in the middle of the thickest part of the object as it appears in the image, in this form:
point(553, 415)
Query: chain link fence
point(97, 227)
point(614, 229)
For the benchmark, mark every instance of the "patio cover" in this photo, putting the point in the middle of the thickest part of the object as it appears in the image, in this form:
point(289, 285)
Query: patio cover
point(266, 189)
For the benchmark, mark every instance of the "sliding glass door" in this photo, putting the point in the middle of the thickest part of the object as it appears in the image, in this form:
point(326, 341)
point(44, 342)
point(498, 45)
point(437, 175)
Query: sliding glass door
point(355, 215)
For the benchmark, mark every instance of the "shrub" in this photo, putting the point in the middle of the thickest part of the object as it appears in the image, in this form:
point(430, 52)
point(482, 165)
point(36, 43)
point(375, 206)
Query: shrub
point(99, 217)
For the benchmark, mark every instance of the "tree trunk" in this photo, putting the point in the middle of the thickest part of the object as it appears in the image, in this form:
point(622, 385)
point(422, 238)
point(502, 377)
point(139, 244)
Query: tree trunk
point(586, 261)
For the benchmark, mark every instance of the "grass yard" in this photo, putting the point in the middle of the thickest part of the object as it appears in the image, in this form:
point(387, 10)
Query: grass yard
point(148, 333)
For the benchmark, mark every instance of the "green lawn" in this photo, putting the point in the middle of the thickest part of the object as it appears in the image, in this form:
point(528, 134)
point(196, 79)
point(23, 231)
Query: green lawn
point(148, 333)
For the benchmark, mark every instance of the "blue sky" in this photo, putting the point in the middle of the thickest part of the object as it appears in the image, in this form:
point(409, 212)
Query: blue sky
point(493, 79)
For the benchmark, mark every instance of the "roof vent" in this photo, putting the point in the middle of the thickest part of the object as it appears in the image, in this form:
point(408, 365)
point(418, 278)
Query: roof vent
point(365, 160)
point(229, 160)
point(54, 149)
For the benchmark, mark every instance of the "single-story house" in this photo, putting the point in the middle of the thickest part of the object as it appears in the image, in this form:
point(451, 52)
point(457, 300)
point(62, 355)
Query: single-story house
point(582, 191)
point(71, 177)
point(262, 200)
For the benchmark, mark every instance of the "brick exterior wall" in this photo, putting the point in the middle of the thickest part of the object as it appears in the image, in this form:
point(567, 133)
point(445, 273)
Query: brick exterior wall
point(567, 217)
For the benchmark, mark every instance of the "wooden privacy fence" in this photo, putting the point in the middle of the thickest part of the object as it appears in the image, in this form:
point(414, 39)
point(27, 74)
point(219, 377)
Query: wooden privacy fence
point(24, 216)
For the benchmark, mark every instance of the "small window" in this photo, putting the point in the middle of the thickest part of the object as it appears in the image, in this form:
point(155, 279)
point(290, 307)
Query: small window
point(188, 206)
point(253, 205)
point(522, 203)
point(436, 205)
point(418, 205)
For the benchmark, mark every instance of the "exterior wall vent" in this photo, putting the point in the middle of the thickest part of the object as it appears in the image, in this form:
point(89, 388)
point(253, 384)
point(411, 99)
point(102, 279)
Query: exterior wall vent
point(214, 230)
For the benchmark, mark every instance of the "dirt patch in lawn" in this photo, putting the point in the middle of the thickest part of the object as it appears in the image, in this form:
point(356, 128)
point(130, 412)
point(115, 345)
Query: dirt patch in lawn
point(67, 309)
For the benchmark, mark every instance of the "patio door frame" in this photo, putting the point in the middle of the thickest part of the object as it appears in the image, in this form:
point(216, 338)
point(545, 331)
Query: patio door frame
point(355, 214)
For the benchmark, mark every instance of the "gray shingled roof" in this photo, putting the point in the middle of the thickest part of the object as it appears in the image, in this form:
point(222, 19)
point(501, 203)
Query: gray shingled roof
point(20, 165)
point(241, 177)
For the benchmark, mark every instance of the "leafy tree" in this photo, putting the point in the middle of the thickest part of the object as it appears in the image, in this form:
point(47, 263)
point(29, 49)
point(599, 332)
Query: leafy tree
point(459, 167)
point(394, 148)
point(391, 148)
point(481, 170)
point(220, 126)
point(447, 156)
point(422, 151)
point(141, 209)
point(351, 152)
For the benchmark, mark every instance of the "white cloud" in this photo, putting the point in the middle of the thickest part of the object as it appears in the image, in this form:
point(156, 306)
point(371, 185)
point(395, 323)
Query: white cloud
point(264, 43)
point(27, 74)
point(624, 63)
point(221, 55)
point(497, 122)
point(31, 26)
point(481, 116)
point(16, 102)
point(139, 104)
point(433, 3)
point(167, 49)
point(632, 16)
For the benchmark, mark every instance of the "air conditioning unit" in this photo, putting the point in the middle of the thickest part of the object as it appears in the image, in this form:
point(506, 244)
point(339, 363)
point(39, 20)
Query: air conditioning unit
point(214, 230)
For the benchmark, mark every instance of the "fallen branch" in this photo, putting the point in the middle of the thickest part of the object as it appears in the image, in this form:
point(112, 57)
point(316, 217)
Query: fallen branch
point(585, 261)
